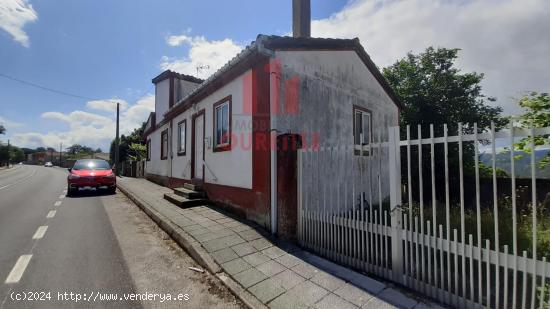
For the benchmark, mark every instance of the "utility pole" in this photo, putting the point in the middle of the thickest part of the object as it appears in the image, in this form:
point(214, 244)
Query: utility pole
point(8, 153)
point(116, 139)
point(60, 151)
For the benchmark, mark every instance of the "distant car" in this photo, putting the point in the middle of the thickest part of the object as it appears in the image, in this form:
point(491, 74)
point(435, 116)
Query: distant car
point(91, 173)
point(20, 163)
point(48, 164)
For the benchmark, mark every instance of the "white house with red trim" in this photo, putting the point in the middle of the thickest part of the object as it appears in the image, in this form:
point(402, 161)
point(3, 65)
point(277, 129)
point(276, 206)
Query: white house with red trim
point(221, 132)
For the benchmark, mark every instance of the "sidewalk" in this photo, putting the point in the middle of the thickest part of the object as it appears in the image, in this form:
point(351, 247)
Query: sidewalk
point(261, 271)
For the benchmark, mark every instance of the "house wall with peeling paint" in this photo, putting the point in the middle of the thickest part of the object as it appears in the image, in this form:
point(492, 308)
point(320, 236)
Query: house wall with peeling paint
point(330, 83)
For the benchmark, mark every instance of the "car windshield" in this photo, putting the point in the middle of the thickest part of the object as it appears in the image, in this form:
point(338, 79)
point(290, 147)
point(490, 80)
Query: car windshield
point(91, 165)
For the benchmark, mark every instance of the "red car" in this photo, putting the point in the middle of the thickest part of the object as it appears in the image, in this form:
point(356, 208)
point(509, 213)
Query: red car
point(91, 173)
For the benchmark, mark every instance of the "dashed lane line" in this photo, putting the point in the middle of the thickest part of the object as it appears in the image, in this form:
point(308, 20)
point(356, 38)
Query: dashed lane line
point(19, 268)
point(57, 204)
point(51, 214)
point(40, 232)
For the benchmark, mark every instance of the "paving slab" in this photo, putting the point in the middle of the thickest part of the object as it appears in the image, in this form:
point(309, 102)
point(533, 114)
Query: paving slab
point(224, 255)
point(271, 268)
point(307, 293)
point(244, 249)
point(249, 277)
point(353, 294)
point(257, 258)
point(332, 301)
point(287, 301)
point(288, 260)
point(327, 281)
point(236, 266)
point(266, 290)
point(288, 279)
point(305, 270)
point(273, 252)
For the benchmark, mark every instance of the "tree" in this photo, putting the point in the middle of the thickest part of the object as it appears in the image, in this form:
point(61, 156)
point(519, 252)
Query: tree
point(2, 129)
point(15, 154)
point(434, 91)
point(137, 152)
point(537, 115)
point(125, 142)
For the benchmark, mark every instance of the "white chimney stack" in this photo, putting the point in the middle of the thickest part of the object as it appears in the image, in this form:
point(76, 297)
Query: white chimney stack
point(301, 18)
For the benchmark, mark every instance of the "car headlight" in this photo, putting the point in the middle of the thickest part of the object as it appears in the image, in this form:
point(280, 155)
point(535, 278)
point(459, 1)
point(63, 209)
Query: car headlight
point(112, 175)
point(73, 176)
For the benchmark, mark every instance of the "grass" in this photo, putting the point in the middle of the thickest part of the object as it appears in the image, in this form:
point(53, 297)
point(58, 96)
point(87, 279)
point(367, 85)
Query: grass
point(523, 227)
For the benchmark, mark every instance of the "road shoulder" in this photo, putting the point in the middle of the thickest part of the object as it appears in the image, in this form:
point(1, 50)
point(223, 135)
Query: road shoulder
point(158, 265)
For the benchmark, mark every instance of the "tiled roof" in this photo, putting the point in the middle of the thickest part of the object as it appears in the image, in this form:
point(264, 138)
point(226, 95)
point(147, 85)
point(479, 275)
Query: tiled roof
point(267, 44)
point(167, 74)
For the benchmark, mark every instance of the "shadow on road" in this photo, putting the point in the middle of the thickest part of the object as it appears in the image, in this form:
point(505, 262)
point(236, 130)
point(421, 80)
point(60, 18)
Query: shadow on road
point(90, 193)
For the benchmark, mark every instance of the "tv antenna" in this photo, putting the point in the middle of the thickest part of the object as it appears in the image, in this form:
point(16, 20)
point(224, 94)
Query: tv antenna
point(201, 67)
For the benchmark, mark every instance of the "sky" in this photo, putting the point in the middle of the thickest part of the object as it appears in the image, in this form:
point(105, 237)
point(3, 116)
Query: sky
point(101, 52)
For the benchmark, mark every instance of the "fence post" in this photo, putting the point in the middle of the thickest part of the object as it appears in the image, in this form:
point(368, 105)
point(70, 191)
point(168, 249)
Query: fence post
point(395, 204)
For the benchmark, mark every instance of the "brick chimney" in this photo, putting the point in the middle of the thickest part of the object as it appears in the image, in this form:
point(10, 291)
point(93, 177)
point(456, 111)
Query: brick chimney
point(301, 18)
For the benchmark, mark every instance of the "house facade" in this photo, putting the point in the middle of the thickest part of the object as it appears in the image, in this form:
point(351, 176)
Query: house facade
point(222, 132)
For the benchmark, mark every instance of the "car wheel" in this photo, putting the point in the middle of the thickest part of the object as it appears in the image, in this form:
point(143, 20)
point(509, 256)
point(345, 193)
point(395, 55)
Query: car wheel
point(112, 190)
point(71, 192)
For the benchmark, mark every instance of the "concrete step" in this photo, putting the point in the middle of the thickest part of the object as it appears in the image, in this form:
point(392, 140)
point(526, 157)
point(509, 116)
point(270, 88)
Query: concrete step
point(192, 187)
point(181, 201)
point(188, 194)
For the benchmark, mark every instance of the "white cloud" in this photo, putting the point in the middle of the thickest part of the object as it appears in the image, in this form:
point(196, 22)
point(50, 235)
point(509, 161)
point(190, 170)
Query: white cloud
point(209, 55)
point(505, 39)
point(88, 128)
point(107, 105)
point(9, 123)
point(136, 114)
point(14, 14)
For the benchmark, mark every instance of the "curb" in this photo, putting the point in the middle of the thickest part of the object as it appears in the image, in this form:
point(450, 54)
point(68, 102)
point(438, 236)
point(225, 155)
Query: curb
point(194, 249)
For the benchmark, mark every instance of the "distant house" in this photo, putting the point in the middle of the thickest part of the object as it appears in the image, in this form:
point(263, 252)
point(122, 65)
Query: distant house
point(221, 132)
point(46, 156)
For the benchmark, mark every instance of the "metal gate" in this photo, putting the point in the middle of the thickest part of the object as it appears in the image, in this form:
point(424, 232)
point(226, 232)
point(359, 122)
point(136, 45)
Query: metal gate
point(428, 230)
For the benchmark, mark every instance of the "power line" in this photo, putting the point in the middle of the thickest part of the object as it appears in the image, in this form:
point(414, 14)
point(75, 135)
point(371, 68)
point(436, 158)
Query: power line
point(49, 89)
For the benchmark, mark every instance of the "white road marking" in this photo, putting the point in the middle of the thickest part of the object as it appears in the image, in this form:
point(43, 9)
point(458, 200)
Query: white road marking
point(40, 232)
point(19, 268)
point(51, 214)
point(18, 181)
point(65, 191)
point(62, 196)
point(57, 204)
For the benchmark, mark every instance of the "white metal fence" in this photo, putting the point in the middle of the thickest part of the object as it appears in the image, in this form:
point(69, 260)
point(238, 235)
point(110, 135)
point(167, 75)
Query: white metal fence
point(356, 208)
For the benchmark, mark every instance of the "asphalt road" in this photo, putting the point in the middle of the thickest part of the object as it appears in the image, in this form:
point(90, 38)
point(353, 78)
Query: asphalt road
point(93, 245)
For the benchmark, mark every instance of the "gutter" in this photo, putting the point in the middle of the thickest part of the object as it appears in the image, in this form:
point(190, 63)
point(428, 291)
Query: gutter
point(273, 141)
